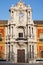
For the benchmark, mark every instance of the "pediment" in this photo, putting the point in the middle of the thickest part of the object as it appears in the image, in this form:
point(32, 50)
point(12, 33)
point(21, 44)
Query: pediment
point(20, 6)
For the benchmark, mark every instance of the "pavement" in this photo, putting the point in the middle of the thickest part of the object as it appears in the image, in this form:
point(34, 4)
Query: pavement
point(10, 63)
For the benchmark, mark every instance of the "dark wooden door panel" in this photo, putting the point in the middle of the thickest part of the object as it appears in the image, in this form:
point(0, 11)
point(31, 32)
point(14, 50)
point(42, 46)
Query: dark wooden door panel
point(21, 55)
point(41, 54)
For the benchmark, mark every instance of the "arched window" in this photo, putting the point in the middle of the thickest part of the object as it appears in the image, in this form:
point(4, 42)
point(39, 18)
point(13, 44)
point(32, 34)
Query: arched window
point(29, 32)
point(12, 12)
point(32, 29)
point(29, 13)
point(12, 31)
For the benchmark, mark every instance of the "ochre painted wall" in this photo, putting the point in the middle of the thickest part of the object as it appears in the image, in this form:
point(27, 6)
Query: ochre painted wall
point(39, 43)
point(2, 42)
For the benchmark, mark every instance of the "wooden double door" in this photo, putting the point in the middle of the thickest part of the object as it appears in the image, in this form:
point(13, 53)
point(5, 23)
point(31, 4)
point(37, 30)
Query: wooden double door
point(41, 54)
point(21, 56)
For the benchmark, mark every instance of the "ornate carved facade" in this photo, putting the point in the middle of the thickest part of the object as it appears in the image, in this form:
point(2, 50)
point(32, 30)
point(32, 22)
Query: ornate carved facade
point(21, 35)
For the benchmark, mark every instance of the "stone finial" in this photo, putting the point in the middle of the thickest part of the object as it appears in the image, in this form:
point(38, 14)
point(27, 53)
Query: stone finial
point(20, 0)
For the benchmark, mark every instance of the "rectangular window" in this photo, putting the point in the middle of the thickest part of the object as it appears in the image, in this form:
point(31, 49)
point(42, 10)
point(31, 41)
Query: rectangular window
point(0, 37)
point(21, 35)
point(41, 37)
point(32, 51)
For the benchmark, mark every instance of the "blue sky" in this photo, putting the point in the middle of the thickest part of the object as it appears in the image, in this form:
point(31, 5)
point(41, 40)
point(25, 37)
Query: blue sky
point(36, 5)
